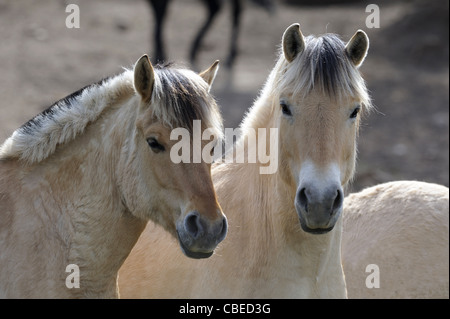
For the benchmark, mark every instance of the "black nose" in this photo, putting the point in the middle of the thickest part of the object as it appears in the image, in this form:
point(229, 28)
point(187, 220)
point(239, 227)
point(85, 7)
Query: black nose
point(332, 201)
point(199, 233)
point(319, 209)
point(198, 227)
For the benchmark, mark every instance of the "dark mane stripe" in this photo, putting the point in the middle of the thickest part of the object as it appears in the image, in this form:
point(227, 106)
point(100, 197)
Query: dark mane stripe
point(328, 57)
point(179, 97)
point(325, 66)
point(183, 98)
point(48, 113)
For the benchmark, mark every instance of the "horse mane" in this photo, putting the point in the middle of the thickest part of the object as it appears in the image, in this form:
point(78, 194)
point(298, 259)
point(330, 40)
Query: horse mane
point(183, 98)
point(178, 98)
point(324, 66)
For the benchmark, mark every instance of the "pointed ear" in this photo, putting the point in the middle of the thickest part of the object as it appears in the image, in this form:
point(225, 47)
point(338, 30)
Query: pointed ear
point(210, 74)
point(144, 78)
point(357, 48)
point(293, 42)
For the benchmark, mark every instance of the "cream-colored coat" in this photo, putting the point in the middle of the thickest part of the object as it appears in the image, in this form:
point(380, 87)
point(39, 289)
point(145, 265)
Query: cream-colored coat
point(51, 218)
point(400, 227)
point(403, 229)
point(265, 254)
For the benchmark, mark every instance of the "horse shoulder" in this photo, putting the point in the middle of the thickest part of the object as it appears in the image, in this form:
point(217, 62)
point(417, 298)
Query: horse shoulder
point(10, 196)
point(16, 261)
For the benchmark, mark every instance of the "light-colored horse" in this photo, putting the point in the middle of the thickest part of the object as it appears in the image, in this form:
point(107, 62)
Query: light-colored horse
point(396, 241)
point(79, 182)
point(285, 232)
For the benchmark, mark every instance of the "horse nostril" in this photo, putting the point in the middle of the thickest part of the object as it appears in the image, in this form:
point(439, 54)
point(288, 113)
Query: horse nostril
point(338, 201)
point(224, 229)
point(193, 225)
point(303, 199)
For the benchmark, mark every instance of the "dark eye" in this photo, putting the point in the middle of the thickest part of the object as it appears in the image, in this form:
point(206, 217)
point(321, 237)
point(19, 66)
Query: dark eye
point(355, 112)
point(285, 109)
point(154, 145)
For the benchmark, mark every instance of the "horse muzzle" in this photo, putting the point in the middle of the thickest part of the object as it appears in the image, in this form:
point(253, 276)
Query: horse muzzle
point(198, 236)
point(318, 210)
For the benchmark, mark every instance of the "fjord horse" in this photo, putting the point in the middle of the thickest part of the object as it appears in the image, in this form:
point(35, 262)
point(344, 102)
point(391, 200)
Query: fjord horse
point(285, 228)
point(79, 182)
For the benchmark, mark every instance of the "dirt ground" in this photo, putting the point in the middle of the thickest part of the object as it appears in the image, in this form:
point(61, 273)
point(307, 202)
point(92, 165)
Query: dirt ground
point(407, 137)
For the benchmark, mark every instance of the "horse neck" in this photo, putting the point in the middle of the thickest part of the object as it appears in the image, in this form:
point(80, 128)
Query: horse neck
point(246, 195)
point(81, 179)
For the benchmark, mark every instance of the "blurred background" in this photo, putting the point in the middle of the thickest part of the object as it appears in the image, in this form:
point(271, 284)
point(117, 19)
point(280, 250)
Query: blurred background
point(407, 72)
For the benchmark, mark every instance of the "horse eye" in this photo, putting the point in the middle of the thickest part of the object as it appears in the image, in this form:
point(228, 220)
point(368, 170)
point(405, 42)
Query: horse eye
point(285, 109)
point(154, 145)
point(355, 112)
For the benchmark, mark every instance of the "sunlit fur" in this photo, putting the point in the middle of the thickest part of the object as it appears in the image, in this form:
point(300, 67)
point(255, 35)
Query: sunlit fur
point(267, 254)
point(324, 67)
point(79, 181)
point(402, 228)
point(66, 119)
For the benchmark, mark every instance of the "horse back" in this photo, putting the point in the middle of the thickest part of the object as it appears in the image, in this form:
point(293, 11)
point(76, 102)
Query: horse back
point(402, 229)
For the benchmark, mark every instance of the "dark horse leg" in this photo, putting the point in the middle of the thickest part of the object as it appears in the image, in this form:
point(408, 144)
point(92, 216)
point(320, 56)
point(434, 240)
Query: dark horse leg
point(159, 10)
point(214, 6)
point(269, 5)
point(236, 13)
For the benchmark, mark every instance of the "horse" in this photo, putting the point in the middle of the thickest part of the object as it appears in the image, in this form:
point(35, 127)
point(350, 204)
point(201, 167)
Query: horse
point(284, 238)
point(395, 241)
point(80, 180)
point(214, 7)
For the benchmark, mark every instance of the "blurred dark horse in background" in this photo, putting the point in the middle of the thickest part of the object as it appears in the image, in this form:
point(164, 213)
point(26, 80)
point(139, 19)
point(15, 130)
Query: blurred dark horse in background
point(214, 7)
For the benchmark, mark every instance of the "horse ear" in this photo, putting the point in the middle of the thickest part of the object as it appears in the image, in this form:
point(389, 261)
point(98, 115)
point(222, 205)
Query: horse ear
point(210, 74)
point(357, 47)
point(144, 78)
point(293, 42)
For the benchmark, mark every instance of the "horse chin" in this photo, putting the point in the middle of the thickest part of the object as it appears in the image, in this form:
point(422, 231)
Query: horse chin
point(316, 231)
point(193, 254)
point(197, 255)
point(319, 228)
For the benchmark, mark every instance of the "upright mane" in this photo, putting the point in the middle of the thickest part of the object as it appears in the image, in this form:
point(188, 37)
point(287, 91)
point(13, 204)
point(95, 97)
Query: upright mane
point(325, 66)
point(180, 96)
point(183, 98)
